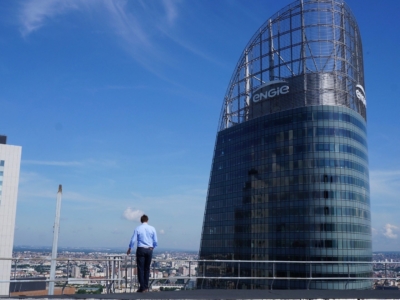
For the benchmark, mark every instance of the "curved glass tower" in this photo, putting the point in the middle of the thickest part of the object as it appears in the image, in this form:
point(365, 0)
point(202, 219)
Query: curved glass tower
point(289, 178)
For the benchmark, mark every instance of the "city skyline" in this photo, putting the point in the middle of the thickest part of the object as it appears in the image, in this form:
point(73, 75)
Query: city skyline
point(119, 103)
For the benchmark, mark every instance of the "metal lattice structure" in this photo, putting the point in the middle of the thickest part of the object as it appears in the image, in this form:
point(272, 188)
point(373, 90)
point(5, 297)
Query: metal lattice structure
point(314, 46)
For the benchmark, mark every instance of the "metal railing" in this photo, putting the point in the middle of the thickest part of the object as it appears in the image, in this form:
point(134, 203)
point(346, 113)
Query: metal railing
point(120, 272)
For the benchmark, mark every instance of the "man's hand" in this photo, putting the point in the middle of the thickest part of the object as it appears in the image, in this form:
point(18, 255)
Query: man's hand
point(129, 251)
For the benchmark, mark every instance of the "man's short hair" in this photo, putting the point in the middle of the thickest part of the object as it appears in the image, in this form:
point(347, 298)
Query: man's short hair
point(144, 218)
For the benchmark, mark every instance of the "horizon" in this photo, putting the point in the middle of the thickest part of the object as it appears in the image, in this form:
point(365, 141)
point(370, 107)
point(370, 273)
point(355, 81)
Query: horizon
point(63, 249)
point(95, 248)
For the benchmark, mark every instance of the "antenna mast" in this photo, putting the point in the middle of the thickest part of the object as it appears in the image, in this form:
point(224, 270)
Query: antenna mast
point(55, 242)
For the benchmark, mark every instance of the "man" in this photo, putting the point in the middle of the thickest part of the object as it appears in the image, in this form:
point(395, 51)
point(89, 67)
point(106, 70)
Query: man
point(146, 238)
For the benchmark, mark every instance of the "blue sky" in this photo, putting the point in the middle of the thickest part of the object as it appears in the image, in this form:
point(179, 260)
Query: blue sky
point(119, 101)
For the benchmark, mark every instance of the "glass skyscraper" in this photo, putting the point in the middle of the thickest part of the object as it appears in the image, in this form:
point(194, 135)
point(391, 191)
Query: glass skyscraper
point(289, 178)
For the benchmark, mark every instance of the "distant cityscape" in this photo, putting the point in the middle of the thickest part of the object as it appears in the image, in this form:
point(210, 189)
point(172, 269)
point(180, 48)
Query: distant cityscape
point(384, 267)
point(87, 267)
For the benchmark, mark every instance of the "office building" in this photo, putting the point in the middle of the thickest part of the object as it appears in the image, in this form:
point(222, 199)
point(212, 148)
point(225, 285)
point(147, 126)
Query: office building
point(10, 159)
point(76, 272)
point(289, 178)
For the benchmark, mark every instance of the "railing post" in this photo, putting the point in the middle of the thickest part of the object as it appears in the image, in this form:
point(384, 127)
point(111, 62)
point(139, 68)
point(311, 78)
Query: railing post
point(308, 285)
point(204, 271)
point(383, 286)
point(120, 272)
point(273, 275)
point(15, 269)
point(186, 282)
point(113, 274)
point(118, 264)
point(348, 276)
point(126, 272)
point(131, 282)
point(273, 270)
point(67, 268)
point(107, 274)
point(153, 280)
point(386, 281)
point(204, 268)
point(66, 282)
point(154, 274)
point(136, 277)
point(237, 282)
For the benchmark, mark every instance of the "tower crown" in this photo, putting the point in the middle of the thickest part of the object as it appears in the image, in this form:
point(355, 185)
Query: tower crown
point(314, 46)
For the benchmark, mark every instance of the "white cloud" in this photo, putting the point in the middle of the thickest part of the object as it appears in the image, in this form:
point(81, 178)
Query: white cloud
point(385, 191)
point(139, 24)
point(33, 185)
point(171, 10)
point(389, 231)
point(132, 215)
point(161, 231)
point(126, 24)
point(385, 183)
point(34, 13)
point(186, 199)
point(85, 163)
point(52, 163)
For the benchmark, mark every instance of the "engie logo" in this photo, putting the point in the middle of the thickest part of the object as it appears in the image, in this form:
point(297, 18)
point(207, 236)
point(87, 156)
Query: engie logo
point(360, 93)
point(270, 90)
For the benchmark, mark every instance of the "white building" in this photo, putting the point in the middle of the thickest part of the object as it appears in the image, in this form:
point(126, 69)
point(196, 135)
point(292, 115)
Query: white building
point(10, 159)
point(76, 272)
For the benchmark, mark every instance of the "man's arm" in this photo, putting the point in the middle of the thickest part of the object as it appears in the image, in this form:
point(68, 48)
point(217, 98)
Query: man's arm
point(132, 242)
point(155, 242)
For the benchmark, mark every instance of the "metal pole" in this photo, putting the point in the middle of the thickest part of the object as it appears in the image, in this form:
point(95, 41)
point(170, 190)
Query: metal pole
point(107, 275)
point(62, 291)
point(204, 270)
point(125, 264)
point(119, 272)
point(113, 274)
point(55, 242)
point(130, 286)
point(237, 282)
point(386, 281)
point(154, 276)
point(273, 274)
point(348, 275)
point(385, 271)
point(15, 268)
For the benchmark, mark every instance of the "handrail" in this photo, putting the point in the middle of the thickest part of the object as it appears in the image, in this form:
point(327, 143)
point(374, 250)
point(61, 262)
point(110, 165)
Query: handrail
point(117, 270)
point(206, 260)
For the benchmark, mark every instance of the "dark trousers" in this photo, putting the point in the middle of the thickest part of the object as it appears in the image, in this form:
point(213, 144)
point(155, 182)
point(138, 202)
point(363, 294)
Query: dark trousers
point(143, 260)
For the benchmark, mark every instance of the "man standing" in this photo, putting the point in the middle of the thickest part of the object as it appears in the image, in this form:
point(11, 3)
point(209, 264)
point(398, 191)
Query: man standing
point(146, 238)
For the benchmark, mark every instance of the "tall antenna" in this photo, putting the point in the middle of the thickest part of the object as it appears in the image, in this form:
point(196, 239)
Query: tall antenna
point(55, 242)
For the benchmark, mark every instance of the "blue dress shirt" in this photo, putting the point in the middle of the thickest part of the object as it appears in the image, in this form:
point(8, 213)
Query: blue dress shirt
point(145, 236)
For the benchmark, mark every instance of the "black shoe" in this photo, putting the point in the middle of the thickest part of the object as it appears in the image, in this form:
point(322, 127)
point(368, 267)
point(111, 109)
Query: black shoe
point(139, 291)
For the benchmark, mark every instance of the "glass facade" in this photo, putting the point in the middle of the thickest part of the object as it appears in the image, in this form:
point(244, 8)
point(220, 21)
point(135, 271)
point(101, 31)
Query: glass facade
point(289, 178)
